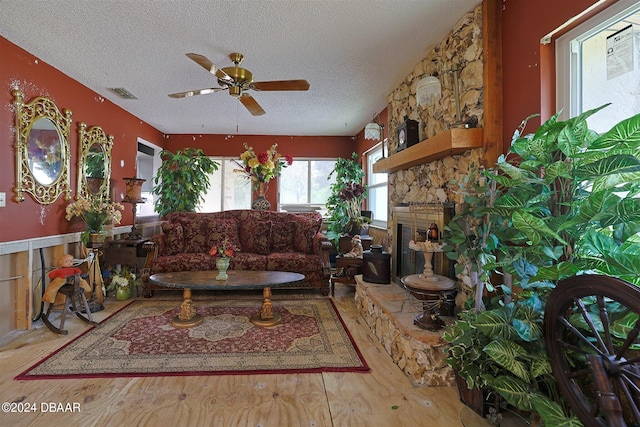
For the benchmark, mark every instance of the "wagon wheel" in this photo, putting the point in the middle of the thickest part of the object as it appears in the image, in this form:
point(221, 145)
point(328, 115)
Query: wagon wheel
point(591, 330)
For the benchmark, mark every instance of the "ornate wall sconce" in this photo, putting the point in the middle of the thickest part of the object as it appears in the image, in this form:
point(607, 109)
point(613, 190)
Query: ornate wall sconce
point(375, 131)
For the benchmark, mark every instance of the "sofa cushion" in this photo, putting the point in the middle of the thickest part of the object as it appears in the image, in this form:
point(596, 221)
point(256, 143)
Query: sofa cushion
point(219, 229)
point(306, 230)
point(194, 235)
point(183, 262)
point(248, 261)
point(307, 264)
point(255, 237)
point(282, 234)
point(173, 238)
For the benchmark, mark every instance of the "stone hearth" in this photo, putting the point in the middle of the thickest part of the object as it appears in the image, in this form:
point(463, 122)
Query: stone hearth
point(389, 312)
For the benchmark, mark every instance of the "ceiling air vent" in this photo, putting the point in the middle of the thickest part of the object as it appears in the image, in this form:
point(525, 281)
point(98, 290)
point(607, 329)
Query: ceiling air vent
point(122, 92)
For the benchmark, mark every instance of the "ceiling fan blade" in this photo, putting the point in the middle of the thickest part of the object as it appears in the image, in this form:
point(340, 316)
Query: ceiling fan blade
point(251, 105)
point(195, 92)
point(281, 85)
point(205, 63)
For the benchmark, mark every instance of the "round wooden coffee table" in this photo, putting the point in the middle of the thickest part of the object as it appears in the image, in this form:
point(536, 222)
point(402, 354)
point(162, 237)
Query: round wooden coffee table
point(238, 280)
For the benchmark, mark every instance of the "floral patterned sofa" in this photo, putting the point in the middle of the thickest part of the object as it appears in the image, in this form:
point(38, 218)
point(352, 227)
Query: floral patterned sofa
point(275, 241)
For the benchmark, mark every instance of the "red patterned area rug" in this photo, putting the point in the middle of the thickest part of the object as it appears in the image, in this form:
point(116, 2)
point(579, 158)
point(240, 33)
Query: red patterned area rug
point(139, 341)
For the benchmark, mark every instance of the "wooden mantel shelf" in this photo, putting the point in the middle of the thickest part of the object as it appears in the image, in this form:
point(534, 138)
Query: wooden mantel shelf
point(453, 141)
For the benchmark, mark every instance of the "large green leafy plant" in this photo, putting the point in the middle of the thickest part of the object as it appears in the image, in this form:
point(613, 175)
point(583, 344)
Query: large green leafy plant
point(182, 180)
point(566, 202)
point(347, 194)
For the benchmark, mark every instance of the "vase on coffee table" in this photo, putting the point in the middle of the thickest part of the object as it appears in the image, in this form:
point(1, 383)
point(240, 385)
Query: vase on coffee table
point(222, 264)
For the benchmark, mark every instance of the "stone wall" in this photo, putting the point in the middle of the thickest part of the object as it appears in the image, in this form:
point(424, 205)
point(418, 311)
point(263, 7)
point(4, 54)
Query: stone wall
point(420, 354)
point(459, 50)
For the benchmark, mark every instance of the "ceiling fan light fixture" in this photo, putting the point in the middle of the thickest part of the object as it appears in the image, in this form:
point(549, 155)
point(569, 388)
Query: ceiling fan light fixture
point(235, 91)
point(239, 81)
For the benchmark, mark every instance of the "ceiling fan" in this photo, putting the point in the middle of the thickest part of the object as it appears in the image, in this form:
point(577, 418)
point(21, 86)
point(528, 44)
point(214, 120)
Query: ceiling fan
point(237, 81)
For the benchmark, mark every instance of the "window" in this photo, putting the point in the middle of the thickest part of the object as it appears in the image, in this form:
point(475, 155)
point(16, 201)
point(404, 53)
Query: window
point(599, 62)
point(377, 182)
point(147, 163)
point(228, 189)
point(304, 185)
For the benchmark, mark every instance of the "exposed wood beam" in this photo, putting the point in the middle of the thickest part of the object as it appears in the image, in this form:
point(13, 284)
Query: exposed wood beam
point(493, 107)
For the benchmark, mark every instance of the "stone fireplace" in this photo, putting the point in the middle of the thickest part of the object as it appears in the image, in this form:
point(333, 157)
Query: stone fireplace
point(412, 223)
point(422, 191)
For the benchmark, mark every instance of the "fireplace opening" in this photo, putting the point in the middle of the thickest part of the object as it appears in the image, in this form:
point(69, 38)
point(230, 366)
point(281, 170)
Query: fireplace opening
point(412, 223)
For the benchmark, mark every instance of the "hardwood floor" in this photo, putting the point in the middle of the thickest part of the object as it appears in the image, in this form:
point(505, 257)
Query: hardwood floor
point(384, 397)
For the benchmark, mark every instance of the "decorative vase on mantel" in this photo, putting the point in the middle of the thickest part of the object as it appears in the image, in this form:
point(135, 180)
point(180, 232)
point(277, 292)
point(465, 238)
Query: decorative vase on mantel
point(261, 203)
point(222, 264)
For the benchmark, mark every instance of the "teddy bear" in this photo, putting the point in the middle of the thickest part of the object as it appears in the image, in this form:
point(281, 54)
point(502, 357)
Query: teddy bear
point(356, 248)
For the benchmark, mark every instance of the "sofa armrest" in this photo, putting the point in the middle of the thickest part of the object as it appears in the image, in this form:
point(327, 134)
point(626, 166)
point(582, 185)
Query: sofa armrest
point(322, 246)
point(151, 248)
point(158, 241)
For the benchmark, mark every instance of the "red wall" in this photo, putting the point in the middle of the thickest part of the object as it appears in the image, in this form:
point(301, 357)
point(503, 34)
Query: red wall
point(21, 70)
point(524, 23)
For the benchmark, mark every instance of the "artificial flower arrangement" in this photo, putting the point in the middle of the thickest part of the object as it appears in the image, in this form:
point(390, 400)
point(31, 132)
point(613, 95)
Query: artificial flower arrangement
point(95, 213)
point(224, 249)
point(264, 166)
point(123, 278)
point(353, 194)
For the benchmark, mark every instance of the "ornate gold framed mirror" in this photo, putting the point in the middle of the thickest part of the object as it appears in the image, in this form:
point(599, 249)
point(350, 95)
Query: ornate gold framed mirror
point(94, 163)
point(42, 149)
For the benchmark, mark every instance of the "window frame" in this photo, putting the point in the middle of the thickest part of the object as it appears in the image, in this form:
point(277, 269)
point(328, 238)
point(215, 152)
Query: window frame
point(309, 206)
point(568, 57)
point(376, 149)
point(156, 162)
point(222, 160)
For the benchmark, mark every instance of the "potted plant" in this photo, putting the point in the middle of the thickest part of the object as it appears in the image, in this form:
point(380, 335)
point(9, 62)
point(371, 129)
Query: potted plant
point(182, 180)
point(122, 281)
point(345, 201)
point(565, 203)
point(95, 213)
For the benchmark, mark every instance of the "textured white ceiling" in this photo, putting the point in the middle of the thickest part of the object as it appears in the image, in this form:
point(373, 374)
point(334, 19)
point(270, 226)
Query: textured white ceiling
point(352, 52)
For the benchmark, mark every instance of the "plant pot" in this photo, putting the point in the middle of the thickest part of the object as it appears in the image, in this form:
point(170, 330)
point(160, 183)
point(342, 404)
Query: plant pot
point(94, 184)
point(122, 293)
point(473, 398)
point(96, 238)
point(222, 264)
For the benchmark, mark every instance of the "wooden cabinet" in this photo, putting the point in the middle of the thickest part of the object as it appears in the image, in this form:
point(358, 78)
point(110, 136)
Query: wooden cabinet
point(127, 252)
point(346, 269)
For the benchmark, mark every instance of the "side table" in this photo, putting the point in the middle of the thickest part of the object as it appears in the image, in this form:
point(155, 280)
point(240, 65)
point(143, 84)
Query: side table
point(124, 252)
point(346, 269)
